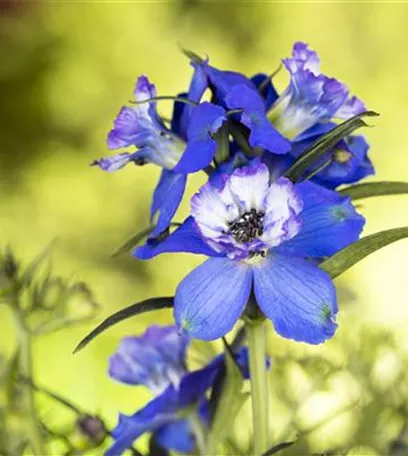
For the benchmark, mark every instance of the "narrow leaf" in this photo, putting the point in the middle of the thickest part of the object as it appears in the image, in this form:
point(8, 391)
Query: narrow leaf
point(220, 379)
point(32, 268)
point(229, 404)
point(281, 446)
point(371, 189)
point(352, 254)
point(191, 55)
point(325, 143)
point(132, 242)
point(135, 309)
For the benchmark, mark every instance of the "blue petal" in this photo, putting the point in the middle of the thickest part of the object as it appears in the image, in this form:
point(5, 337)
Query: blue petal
point(177, 125)
point(326, 229)
point(222, 81)
point(160, 411)
point(263, 134)
point(297, 296)
point(177, 436)
point(198, 85)
point(212, 297)
point(198, 155)
point(269, 93)
point(185, 239)
point(155, 359)
point(194, 385)
point(313, 194)
point(206, 120)
point(166, 198)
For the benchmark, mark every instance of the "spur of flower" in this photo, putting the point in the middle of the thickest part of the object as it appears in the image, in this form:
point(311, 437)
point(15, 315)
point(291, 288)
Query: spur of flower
point(262, 238)
point(157, 359)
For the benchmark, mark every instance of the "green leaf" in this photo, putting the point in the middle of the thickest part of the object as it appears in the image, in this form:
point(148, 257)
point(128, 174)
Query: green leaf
point(221, 376)
point(352, 254)
point(135, 309)
point(191, 55)
point(275, 449)
point(230, 402)
point(132, 242)
point(371, 189)
point(32, 268)
point(324, 143)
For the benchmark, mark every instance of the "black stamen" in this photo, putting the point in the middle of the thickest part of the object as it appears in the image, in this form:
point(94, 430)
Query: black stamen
point(248, 226)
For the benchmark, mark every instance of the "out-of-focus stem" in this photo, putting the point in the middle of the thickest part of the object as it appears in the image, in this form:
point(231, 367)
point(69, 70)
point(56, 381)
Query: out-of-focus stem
point(25, 364)
point(255, 332)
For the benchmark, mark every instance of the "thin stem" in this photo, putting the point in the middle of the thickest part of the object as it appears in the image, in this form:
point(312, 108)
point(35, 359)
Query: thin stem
point(33, 427)
point(199, 433)
point(255, 332)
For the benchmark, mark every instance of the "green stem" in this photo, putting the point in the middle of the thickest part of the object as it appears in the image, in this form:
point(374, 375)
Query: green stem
point(33, 428)
point(255, 332)
point(199, 433)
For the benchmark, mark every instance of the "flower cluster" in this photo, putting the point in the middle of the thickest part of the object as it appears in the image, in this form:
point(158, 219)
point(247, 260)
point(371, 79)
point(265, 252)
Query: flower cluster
point(157, 359)
point(264, 234)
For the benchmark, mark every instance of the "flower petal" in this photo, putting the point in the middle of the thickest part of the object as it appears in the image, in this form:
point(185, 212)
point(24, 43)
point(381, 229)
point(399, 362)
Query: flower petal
point(297, 296)
point(166, 198)
point(211, 298)
point(263, 134)
point(158, 412)
point(116, 162)
point(155, 359)
point(186, 238)
point(325, 229)
point(177, 436)
point(197, 155)
point(268, 93)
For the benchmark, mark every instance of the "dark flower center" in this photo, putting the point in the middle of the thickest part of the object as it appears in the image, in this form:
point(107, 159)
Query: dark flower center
point(248, 226)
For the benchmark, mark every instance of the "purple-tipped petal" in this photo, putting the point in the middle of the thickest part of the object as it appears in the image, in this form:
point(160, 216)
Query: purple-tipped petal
point(212, 297)
point(297, 296)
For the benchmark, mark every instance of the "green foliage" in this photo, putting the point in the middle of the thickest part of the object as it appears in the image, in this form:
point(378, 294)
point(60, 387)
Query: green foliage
point(229, 404)
point(370, 189)
point(147, 305)
point(354, 253)
point(325, 142)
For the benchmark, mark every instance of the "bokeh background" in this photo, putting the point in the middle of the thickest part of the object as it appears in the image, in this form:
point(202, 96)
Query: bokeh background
point(65, 70)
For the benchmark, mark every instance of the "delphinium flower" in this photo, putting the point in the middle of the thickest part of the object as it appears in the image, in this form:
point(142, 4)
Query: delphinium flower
point(266, 238)
point(157, 359)
point(305, 111)
point(302, 113)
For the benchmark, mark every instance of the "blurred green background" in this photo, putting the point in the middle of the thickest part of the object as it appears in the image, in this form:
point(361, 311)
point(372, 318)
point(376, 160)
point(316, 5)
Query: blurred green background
point(65, 70)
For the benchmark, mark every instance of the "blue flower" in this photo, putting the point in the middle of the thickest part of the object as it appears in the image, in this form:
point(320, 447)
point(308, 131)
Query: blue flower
point(261, 237)
point(311, 97)
point(157, 360)
point(235, 91)
point(141, 126)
